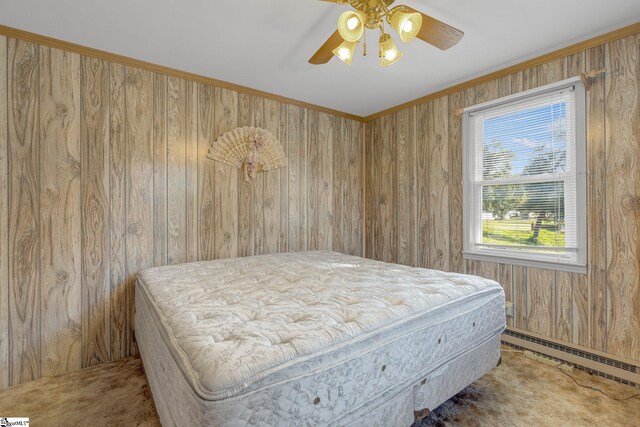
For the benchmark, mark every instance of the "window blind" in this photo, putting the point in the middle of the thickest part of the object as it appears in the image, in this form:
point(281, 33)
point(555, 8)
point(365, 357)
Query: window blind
point(523, 176)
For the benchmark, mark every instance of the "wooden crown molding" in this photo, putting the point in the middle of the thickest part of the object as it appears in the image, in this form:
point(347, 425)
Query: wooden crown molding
point(112, 57)
point(560, 53)
point(160, 69)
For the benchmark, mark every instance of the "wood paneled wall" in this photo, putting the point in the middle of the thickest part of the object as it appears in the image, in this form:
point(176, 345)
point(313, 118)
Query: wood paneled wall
point(103, 173)
point(414, 201)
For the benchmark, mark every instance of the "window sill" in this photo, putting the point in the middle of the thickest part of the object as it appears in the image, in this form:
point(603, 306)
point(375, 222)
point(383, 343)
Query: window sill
point(546, 265)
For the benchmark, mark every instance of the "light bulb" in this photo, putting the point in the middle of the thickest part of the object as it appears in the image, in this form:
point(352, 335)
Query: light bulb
point(343, 53)
point(352, 23)
point(407, 27)
point(390, 55)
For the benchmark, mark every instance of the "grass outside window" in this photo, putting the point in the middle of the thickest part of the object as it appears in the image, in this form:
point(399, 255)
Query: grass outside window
point(519, 232)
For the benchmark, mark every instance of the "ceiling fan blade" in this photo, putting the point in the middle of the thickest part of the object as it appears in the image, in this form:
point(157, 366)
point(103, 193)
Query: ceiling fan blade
point(438, 33)
point(325, 53)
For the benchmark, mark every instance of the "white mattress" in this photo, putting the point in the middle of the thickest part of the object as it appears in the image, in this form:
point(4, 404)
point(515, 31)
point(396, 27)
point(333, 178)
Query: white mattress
point(309, 337)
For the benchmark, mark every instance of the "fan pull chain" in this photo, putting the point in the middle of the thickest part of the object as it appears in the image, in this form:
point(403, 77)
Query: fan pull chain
point(364, 44)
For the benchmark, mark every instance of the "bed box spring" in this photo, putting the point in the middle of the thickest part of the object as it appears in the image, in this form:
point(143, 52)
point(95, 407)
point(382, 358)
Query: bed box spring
point(311, 338)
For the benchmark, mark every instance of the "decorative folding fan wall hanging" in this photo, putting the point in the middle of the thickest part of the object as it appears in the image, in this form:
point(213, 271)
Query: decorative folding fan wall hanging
point(250, 149)
point(372, 14)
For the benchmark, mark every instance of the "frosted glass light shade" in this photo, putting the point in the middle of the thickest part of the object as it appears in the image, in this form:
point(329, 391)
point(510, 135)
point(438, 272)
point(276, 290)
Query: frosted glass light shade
point(406, 23)
point(389, 52)
point(346, 51)
point(351, 25)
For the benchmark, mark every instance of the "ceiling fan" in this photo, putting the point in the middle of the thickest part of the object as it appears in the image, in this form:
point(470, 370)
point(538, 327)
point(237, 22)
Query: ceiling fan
point(371, 14)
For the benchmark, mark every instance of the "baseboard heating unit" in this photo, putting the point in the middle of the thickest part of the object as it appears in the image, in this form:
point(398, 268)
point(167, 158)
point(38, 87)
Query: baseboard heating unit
point(625, 372)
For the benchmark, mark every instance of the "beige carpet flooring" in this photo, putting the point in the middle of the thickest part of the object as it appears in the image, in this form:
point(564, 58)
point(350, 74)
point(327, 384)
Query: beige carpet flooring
point(520, 392)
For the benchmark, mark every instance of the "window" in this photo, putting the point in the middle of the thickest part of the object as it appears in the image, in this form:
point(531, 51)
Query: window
point(524, 178)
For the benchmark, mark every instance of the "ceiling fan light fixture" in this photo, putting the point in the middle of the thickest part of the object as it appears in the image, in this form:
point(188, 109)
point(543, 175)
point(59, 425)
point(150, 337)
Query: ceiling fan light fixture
point(346, 51)
point(389, 52)
point(351, 25)
point(406, 22)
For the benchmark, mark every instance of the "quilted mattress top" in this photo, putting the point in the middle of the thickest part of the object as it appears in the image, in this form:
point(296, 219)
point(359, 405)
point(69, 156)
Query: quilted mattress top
point(229, 323)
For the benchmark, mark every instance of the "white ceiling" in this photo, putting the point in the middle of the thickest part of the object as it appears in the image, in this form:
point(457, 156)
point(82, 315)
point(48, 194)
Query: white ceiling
point(265, 44)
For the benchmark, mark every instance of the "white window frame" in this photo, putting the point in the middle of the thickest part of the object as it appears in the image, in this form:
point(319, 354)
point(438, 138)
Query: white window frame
point(472, 200)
